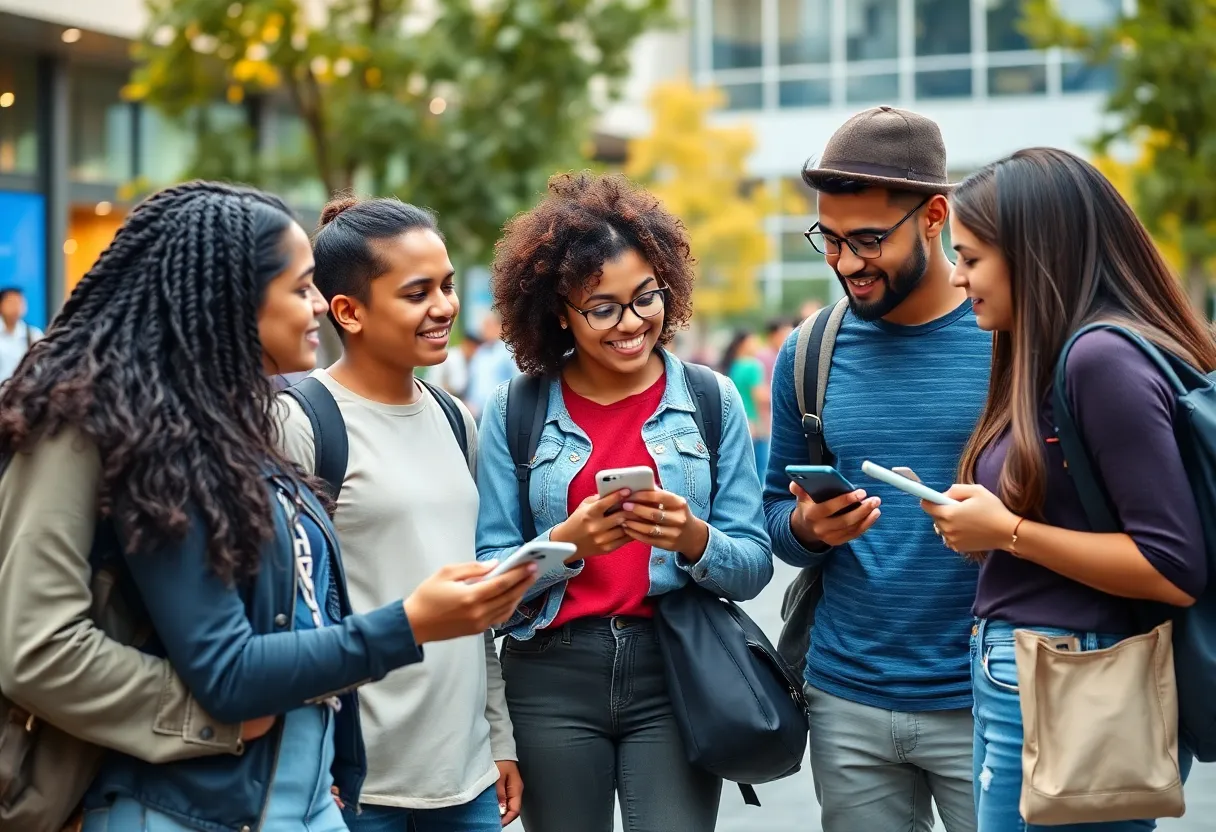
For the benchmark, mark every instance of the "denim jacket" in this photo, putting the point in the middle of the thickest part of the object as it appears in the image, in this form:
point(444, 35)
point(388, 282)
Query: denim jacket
point(737, 563)
point(235, 650)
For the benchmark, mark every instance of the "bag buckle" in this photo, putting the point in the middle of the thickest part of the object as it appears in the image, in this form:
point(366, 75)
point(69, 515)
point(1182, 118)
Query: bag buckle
point(812, 425)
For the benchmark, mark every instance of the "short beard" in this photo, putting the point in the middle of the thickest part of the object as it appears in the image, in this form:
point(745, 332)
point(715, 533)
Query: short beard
point(896, 289)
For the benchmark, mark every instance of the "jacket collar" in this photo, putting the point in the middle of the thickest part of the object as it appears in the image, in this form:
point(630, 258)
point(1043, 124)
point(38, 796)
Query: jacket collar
point(676, 395)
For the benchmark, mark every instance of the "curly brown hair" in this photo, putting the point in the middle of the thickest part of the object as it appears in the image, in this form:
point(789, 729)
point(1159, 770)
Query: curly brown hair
point(561, 245)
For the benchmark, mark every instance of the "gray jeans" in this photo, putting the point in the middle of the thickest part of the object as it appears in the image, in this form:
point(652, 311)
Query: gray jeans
point(592, 718)
point(882, 770)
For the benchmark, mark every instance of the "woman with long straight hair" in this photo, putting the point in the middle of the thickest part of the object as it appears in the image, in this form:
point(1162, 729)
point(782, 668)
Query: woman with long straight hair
point(591, 285)
point(144, 421)
point(1046, 245)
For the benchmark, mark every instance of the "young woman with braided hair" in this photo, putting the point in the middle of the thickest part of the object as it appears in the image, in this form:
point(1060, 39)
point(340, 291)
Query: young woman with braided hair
point(140, 433)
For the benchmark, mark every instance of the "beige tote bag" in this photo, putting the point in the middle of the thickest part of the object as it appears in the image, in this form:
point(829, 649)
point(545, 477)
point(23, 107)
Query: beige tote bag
point(1101, 729)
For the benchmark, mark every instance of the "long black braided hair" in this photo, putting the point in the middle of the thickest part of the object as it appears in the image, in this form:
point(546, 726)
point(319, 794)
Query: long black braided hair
point(156, 358)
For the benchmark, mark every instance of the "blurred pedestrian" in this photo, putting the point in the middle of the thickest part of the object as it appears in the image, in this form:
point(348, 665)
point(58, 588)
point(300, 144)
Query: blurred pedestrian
point(16, 335)
point(740, 365)
point(492, 364)
point(453, 374)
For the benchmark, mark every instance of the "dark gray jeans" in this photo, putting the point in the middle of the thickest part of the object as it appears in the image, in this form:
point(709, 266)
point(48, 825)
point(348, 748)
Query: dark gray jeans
point(592, 717)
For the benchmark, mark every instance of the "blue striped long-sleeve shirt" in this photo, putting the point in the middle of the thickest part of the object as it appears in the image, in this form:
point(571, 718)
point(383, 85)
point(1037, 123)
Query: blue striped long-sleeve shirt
point(892, 628)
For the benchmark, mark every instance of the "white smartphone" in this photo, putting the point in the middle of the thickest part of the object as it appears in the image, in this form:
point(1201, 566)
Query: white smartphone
point(546, 554)
point(637, 478)
point(908, 486)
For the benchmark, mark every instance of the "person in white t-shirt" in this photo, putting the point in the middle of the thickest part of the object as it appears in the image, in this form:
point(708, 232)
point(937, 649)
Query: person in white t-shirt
point(440, 747)
point(16, 336)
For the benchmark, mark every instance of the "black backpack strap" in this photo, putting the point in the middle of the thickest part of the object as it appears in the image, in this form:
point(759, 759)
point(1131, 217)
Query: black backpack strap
point(451, 411)
point(527, 408)
point(814, 357)
point(707, 393)
point(1076, 457)
point(328, 431)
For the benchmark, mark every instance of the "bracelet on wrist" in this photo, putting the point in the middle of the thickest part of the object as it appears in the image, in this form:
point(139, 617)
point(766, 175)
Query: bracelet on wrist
point(1013, 538)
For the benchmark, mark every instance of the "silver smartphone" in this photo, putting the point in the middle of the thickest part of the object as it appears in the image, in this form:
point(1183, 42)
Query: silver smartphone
point(637, 478)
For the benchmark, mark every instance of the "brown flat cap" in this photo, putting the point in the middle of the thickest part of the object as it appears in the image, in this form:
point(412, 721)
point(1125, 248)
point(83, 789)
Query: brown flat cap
point(888, 148)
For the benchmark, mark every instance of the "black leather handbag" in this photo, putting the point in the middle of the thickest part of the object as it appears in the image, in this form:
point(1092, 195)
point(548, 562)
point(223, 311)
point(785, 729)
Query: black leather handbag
point(738, 705)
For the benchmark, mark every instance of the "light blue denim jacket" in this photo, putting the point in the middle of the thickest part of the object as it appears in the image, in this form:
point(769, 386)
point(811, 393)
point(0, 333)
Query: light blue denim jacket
point(737, 563)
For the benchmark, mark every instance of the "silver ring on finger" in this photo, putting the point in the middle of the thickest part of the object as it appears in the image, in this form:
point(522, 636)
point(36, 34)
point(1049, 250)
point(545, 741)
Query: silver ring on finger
point(658, 532)
point(662, 515)
point(936, 530)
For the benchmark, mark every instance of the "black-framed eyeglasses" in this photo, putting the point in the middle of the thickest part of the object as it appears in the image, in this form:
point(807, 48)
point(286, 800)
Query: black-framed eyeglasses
point(865, 246)
point(604, 316)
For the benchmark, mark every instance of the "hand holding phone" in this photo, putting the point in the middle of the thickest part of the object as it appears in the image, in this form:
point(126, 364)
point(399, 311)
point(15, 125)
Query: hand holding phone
point(546, 554)
point(842, 514)
point(446, 605)
point(596, 526)
point(909, 486)
point(634, 480)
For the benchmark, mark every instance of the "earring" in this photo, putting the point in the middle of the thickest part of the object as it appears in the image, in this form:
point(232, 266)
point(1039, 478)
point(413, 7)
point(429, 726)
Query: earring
point(564, 325)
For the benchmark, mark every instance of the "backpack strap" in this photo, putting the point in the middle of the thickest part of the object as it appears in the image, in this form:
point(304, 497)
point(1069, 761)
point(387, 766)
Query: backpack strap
point(812, 365)
point(703, 383)
point(452, 413)
point(527, 408)
point(329, 438)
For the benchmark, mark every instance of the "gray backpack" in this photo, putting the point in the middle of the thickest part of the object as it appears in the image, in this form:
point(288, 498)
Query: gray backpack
point(812, 364)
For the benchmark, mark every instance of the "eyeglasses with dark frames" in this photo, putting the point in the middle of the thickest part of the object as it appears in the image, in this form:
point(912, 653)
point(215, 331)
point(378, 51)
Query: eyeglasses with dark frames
point(604, 316)
point(865, 246)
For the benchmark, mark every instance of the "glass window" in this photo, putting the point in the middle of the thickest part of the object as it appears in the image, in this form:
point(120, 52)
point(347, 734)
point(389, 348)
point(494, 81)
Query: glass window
point(166, 147)
point(737, 34)
point(18, 114)
point(872, 29)
point(1004, 26)
point(744, 96)
point(948, 83)
point(943, 27)
point(1017, 80)
point(805, 31)
point(1078, 76)
point(814, 93)
point(287, 149)
point(873, 89)
point(102, 126)
point(1093, 13)
point(796, 249)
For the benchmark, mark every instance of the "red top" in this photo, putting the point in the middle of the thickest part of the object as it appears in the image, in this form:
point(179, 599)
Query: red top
point(616, 583)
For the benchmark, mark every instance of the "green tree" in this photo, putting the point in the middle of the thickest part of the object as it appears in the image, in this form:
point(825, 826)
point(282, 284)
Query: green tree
point(698, 171)
point(1164, 101)
point(464, 106)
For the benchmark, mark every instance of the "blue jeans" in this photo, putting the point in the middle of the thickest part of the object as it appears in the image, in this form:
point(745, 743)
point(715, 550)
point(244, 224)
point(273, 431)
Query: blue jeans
point(478, 815)
point(998, 732)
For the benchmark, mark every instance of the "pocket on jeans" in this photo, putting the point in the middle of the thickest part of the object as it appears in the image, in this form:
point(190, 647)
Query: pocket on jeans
point(536, 645)
point(1000, 666)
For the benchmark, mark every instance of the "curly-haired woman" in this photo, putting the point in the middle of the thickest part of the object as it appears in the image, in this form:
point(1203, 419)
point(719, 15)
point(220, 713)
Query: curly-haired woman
point(141, 433)
point(591, 285)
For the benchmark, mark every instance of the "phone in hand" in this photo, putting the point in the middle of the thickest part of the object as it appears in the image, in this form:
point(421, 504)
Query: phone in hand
point(906, 484)
point(638, 478)
point(546, 554)
point(822, 483)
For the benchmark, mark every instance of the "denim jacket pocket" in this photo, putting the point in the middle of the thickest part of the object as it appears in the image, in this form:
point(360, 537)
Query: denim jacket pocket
point(1000, 666)
point(694, 459)
point(543, 467)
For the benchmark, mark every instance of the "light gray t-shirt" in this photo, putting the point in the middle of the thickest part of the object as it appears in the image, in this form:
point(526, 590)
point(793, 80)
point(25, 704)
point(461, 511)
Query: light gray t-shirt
point(408, 506)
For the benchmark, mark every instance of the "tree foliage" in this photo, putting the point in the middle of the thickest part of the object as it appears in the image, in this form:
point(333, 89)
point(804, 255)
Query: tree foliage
point(1164, 101)
point(465, 106)
point(698, 170)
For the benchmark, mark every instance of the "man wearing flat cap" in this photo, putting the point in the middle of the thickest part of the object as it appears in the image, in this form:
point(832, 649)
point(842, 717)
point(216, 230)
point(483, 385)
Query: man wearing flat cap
point(887, 667)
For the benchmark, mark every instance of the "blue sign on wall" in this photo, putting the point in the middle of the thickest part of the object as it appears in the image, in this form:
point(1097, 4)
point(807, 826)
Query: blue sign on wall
point(23, 250)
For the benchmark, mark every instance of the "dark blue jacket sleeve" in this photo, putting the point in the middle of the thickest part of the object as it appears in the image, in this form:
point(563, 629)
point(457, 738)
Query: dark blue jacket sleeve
point(236, 674)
